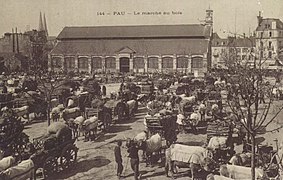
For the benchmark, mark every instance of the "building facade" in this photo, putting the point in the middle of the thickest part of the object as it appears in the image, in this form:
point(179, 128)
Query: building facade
point(151, 48)
point(232, 49)
point(269, 41)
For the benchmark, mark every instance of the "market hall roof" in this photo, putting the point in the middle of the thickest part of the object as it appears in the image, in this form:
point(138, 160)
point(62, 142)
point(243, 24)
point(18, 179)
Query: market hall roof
point(141, 31)
point(139, 47)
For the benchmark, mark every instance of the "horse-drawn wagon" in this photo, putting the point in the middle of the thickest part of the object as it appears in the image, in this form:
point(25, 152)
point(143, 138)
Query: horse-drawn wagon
point(146, 91)
point(163, 123)
point(102, 112)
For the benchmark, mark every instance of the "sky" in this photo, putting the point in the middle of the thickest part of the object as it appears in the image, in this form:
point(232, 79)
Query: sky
point(229, 15)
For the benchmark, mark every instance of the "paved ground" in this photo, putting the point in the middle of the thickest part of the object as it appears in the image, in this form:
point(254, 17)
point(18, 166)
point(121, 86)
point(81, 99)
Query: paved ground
point(96, 158)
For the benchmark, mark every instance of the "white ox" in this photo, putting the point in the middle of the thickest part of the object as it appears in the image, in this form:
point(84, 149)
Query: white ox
point(150, 146)
point(7, 162)
point(185, 156)
point(240, 172)
point(22, 171)
point(195, 118)
point(89, 127)
point(217, 142)
point(21, 111)
point(217, 177)
point(54, 102)
point(56, 112)
point(71, 113)
point(76, 124)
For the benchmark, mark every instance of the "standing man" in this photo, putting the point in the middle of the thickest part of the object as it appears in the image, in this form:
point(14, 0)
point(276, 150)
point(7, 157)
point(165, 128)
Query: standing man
point(104, 90)
point(118, 158)
point(134, 159)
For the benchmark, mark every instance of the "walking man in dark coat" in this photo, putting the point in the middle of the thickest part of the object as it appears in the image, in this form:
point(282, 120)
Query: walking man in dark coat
point(134, 159)
point(118, 158)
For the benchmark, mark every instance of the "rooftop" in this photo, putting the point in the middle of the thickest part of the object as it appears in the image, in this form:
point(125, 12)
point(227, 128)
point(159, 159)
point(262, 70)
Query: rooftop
point(266, 24)
point(141, 31)
point(138, 46)
point(234, 42)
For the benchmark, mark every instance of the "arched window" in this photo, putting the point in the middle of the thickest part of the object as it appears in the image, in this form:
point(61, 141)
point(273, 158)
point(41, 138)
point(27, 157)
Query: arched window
point(96, 62)
point(138, 62)
point(153, 62)
point(182, 62)
point(197, 62)
point(83, 63)
point(57, 62)
point(70, 62)
point(167, 62)
point(110, 63)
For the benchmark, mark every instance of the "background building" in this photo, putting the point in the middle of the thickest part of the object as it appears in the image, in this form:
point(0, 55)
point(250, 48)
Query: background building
point(269, 41)
point(232, 49)
point(26, 51)
point(151, 48)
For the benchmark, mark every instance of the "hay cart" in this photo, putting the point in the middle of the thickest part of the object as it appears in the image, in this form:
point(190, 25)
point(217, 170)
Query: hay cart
point(103, 113)
point(54, 153)
point(34, 101)
point(221, 129)
point(189, 124)
point(119, 109)
point(153, 125)
point(165, 125)
point(146, 91)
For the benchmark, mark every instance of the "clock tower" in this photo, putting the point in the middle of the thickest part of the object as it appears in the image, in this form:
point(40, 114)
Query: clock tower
point(209, 17)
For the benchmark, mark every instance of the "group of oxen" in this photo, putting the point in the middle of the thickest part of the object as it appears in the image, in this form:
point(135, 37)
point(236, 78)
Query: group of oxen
point(199, 159)
point(99, 114)
point(11, 169)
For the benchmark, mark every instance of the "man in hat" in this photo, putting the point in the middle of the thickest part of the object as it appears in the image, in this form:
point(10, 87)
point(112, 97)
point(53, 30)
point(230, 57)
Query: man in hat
point(118, 158)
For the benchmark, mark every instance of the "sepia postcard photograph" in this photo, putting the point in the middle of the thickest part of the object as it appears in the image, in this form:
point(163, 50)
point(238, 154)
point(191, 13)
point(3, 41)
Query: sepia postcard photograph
point(141, 89)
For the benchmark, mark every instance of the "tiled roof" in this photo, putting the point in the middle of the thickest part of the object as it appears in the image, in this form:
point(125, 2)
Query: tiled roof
point(243, 42)
point(140, 47)
point(144, 31)
point(268, 22)
point(234, 42)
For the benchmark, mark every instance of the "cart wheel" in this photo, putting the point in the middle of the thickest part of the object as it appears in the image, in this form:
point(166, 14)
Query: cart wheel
point(68, 156)
point(50, 167)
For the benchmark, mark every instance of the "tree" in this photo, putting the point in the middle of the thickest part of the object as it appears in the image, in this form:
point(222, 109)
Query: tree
point(48, 84)
point(247, 86)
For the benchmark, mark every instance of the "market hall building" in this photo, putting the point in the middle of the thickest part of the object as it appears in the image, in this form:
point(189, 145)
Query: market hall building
point(147, 48)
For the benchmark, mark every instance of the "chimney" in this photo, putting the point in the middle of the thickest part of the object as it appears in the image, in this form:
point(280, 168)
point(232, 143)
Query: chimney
point(13, 43)
point(17, 40)
point(259, 18)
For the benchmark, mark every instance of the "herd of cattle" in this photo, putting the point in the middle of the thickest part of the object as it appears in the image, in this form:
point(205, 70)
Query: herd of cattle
point(198, 106)
point(201, 107)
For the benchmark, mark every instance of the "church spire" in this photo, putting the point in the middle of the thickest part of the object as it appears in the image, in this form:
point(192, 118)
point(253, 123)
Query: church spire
point(45, 25)
point(40, 26)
